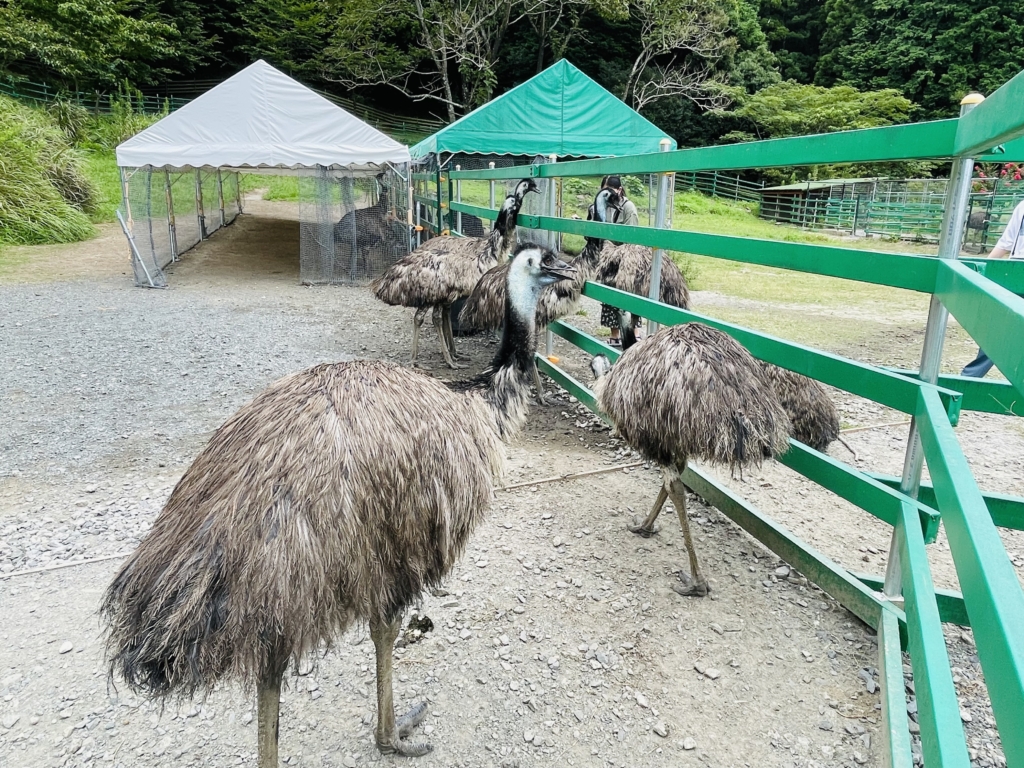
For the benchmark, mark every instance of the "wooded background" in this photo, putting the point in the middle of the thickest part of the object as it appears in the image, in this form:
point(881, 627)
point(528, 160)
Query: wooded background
point(705, 71)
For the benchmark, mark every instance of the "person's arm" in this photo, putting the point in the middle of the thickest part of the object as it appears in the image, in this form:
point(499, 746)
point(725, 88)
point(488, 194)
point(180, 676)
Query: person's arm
point(1009, 242)
point(998, 253)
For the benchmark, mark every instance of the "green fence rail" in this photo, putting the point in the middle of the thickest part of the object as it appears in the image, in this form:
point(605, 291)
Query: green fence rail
point(95, 101)
point(981, 295)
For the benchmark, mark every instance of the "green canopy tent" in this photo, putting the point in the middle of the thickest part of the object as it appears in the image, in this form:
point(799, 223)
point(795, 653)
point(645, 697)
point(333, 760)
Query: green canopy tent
point(559, 112)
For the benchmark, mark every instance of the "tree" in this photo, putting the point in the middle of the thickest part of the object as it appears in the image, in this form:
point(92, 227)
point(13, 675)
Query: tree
point(681, 41)
point(445, 50)
point(793, 29)
point(933, 51)
point(290, 33)
point(85, 43)
point(792, 109)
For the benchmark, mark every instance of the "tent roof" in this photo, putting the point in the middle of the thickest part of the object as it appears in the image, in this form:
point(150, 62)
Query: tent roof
point(261, 118)
point(560, 111)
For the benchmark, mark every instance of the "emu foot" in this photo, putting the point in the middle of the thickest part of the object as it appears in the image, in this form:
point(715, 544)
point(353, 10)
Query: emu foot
point(456, 366)
point(403, 728)
point(411, 719)
point(687, 587)
point(638, 527)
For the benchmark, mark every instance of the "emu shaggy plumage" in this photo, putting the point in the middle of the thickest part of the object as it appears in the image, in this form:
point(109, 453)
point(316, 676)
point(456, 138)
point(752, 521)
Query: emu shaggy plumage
point(628, 268)
point(691, 391)
point(485, 307)
point(337, 495)
point(812, 414)
point(446, 269)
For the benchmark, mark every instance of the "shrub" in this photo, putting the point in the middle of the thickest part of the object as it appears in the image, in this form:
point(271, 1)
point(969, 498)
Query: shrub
point(44, 195)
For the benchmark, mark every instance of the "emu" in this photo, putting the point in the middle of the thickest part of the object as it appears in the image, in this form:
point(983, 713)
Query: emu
point(483, 308)
point(690, 392)
point(447, 268)
point(337, 495)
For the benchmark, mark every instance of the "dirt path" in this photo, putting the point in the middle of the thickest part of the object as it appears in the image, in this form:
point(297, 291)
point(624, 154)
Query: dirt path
point(559, 643)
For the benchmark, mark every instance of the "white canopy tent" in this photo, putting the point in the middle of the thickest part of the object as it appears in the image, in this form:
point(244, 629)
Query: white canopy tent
point(260, 120)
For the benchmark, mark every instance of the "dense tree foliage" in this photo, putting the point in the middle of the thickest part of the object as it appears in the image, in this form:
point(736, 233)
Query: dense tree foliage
point(702, 69)
point(933, 51)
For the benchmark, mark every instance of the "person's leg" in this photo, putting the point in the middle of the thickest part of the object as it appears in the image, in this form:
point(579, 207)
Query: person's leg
point(978, 367)
point(610, 319)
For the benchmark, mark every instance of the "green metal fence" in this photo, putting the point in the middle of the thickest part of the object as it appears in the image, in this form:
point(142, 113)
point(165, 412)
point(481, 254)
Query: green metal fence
point(903, 604)
point(95, 101)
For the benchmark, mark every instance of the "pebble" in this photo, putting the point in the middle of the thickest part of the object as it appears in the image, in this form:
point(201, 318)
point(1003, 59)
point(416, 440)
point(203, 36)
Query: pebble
point(247, 718)
point(965, 715)
point(557, 542)
point(528, 736)
point(717, 629)
point(661, 729)
point(782, 571)
point(825, 725)
point(465, 634)
point(66, 647)
point(642, 700)
point(9, 721)
point(689, 743)
point(712, 674)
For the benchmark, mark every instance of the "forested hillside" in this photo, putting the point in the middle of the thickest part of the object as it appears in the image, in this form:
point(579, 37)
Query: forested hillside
point(704, 70)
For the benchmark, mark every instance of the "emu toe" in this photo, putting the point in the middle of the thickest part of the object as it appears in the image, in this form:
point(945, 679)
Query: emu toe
point(411, 719)
point(638, 527)
point(407, 748)
point(688, 587)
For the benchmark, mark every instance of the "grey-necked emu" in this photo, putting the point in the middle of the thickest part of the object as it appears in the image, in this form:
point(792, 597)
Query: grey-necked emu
point(690, 392)
point(337, 495)
point(484, 309)
point(445, 269)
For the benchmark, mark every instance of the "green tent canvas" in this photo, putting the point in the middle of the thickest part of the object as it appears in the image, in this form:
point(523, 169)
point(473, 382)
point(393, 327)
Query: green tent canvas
point(560, 112)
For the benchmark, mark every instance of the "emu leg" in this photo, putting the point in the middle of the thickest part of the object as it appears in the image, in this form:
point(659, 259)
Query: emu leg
point(417, 323)
point(693, 585)
point(449, 334)
point(538, 386)
point(647, 527)
point(439, 326)
point(268, 707)
point(390, 733)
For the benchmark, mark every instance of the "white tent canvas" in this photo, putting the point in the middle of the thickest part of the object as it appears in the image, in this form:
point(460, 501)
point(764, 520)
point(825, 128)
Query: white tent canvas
point(261, 118)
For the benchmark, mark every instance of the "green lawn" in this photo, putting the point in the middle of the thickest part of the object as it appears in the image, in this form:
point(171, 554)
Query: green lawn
point(101, 168)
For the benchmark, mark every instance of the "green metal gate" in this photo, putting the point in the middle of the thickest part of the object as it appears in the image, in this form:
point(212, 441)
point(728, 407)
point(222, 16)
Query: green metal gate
point(903, 604)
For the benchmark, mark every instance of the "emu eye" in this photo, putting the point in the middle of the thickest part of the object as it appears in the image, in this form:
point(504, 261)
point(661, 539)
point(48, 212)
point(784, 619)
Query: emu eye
point(548, 259)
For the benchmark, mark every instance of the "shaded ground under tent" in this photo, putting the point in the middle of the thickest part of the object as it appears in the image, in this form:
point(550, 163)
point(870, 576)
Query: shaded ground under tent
point(182, 177)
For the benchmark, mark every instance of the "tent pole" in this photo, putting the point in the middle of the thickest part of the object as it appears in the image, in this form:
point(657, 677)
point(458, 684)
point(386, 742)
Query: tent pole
point(220, 196)
point(458, 199)
point(238, 190)
point(409, 208)
point(554, 203)
point(200, 215)
point(172, 233)
point(348, 189)
point(659, 222)
point(491, 184)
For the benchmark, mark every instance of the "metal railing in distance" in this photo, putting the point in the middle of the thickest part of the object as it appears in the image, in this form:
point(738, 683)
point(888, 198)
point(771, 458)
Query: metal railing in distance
point(980, 294)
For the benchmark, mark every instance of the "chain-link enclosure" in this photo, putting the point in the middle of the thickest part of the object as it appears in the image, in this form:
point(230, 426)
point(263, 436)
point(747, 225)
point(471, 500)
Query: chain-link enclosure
point(165, 213)
point(352, 228)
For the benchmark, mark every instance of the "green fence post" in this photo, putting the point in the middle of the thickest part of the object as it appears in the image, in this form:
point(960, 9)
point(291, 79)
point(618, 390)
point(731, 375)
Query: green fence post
point(954, 221)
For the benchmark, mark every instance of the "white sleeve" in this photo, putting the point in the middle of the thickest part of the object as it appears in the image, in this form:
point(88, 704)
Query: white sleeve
point(1011, 235)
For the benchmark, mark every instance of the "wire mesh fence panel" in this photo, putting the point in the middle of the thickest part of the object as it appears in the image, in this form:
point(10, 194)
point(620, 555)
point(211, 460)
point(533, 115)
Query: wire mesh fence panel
point(351, 228)
point(144, 211)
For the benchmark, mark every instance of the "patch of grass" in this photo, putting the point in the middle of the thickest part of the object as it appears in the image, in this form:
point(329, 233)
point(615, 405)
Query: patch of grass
point(283, 188)
point(44, 192)
point(100, 166)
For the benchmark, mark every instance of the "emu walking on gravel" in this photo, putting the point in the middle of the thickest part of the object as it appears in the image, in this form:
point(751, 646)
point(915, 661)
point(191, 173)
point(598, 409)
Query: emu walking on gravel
point(337, 495)
point(484, 308)
point(447, 268)
point(690, 392)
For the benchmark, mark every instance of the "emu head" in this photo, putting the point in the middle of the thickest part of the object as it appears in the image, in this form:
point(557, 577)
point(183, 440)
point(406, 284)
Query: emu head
point(532, 269)
point(509, 211)
point(607, 202)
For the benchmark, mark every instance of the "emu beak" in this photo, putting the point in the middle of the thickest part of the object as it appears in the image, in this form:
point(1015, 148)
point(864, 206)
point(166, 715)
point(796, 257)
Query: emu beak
point(559, 270)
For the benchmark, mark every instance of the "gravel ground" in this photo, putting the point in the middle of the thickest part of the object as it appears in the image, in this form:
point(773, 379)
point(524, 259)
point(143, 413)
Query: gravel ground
point(559, 641)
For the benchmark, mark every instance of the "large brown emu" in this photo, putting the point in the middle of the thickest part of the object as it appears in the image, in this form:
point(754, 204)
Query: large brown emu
point(446, 269)
point(812, 414)
point(690, 392)
point(337, 495)
point(627, 267)
point(484, 308)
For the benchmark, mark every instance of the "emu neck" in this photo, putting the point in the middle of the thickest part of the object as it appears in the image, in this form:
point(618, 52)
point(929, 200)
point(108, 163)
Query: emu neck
point(591, 251)
point(511, 369)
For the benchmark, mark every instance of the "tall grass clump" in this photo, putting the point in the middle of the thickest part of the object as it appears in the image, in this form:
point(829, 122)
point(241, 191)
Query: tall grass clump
point(45, 195)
